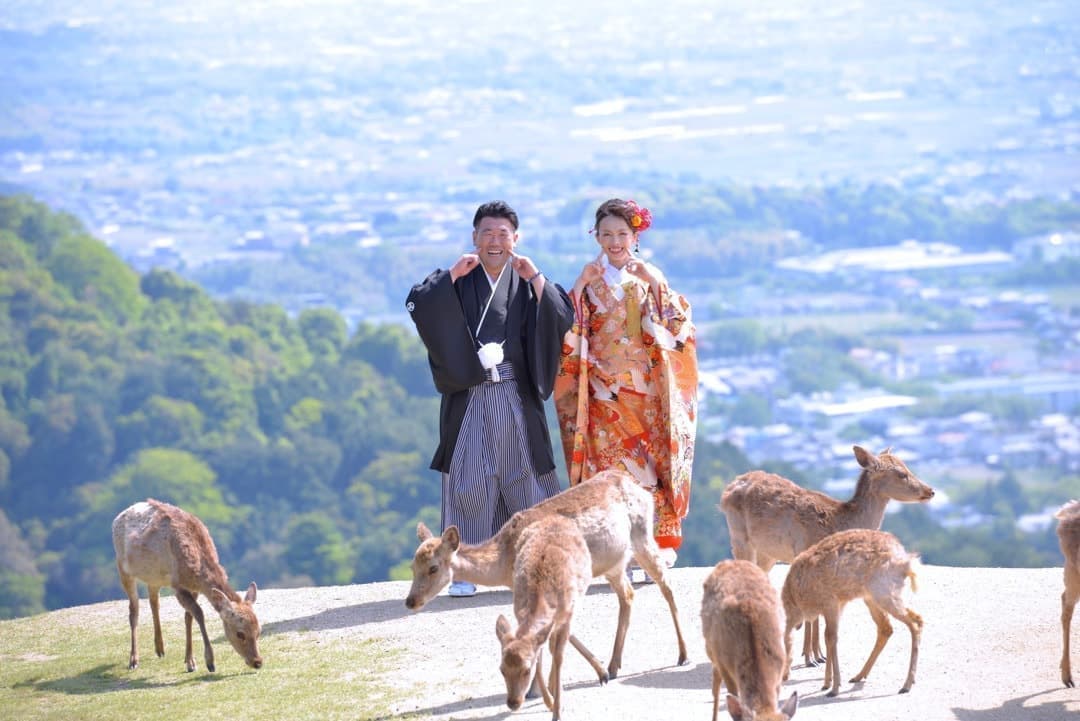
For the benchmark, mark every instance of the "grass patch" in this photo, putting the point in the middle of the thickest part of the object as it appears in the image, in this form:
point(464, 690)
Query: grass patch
point(71, 665)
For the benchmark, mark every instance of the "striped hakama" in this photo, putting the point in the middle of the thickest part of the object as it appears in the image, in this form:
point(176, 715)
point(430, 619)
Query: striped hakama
point(491, 474)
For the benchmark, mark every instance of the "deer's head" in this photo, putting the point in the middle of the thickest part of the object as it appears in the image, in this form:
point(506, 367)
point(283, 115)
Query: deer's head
point(519, 656)
point(241, 626)
point(432, 565)
point(890, 477)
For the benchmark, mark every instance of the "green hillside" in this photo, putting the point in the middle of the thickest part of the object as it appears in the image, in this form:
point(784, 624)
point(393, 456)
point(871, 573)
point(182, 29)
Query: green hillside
point(302, 447)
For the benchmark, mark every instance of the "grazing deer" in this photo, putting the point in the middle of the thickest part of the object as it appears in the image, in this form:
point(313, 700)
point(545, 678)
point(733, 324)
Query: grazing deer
point(771, 519)
point(742, 622)
point(163, 545)
point(859, 563)
point(552, 570)
point(1069, 536)
point(615, 517)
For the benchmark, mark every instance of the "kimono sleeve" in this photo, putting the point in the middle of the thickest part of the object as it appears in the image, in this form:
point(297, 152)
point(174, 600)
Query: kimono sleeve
point(436, 311)
point(554, 316)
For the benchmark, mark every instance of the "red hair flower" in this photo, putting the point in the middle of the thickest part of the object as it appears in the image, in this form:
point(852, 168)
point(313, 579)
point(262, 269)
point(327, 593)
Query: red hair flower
point(640, 218)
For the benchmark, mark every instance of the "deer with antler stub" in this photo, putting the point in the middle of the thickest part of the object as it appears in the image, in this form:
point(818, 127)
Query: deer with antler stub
point(771, 519)
point(1068, 532)
point(163, 545)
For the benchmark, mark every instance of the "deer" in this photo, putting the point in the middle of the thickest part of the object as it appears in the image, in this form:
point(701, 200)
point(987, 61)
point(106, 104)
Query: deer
point(615, 517)
point(1068, 532)
point(858, 563)
point(552, 570)
point(743, 624)
point(163, 545)
point(771, 519)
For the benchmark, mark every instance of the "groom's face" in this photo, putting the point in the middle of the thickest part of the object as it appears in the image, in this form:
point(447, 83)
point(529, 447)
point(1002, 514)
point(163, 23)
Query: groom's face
point(494, 239)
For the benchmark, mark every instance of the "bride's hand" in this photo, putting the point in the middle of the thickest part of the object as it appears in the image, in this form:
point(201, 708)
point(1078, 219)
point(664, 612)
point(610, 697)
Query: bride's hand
point(639, 270)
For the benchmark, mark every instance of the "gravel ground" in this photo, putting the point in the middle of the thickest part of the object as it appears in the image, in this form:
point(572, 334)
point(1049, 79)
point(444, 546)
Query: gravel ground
point(990, 651)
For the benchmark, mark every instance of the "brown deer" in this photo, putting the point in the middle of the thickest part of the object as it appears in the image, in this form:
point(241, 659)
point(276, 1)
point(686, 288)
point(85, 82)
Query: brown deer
point(1068, 531)
point(163, 545)
point(552, 570)
point(771, 519)
point(859, 563)
point(742, 622)
point(615, 517)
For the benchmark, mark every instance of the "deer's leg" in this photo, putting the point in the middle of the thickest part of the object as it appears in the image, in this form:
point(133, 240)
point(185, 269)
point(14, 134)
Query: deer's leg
point(132, 591)
point(914, 623)
point(789, 642)
point(155, 612)
point(810, 634)
point(1068, 603)
point(189, 654)
point(539, 685)
point(811, 648)
point(884, 631)
point(601, 672)
point(832, 661)
point(650, 560)
point(191, 604)
point(729, 681)
point(741, 548)
point(625, 593)
point(716, 681)
point(558, 647)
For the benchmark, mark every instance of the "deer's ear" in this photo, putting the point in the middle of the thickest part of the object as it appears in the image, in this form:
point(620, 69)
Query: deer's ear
point(863, 456)
point(219, 592)
point(541, 636)
point(734, 707)
point(250, 595)
point(502, 629)
point(452, 538)
point(422, 532)
point(791, 705)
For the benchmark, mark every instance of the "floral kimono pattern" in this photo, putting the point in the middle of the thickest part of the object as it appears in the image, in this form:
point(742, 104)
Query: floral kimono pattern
point(626, 392)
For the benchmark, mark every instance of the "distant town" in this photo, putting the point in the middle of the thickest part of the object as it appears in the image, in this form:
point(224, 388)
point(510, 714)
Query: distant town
point(264, 151)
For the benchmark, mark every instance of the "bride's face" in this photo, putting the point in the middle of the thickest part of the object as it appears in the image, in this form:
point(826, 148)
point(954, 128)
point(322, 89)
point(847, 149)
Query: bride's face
point(616, 239)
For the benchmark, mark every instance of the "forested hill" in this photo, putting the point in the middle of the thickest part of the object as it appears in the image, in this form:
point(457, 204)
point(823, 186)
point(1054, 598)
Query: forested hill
point(302, 448)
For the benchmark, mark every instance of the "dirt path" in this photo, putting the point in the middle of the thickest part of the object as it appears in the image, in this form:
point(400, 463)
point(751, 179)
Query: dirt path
point(990, 651)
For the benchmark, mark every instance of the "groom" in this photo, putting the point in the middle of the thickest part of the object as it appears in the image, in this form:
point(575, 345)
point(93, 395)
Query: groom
point(493, 327)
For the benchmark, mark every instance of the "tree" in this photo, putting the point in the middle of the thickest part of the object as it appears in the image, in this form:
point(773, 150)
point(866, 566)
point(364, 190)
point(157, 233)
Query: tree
point(161, 421)
point(174, 476)
point(324, 331)
point(94, 274)
point(316, 548)
point(22, 585)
